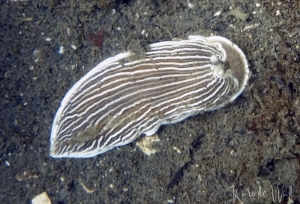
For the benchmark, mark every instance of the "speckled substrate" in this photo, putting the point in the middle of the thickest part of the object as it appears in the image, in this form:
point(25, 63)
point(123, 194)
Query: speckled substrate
point(251, 144)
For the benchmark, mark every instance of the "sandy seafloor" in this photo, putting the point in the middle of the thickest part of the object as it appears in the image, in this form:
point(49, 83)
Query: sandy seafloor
point(250, 146)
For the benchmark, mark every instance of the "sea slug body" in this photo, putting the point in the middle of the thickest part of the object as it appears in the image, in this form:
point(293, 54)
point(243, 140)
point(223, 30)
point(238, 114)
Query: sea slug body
point(121, 98)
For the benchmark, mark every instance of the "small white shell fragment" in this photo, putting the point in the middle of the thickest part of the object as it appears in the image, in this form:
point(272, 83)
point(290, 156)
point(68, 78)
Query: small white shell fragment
point(218, 13)
point(177, 150)
point(113, 11)
point(48, 39)
point(170, 201)
point(145, 144)
point(190, 5)
point(87, 189)
point(199, 177)
point(42, 198)
point(73, 47)
point(61, 50)
point(7, 163)
point(250, 26)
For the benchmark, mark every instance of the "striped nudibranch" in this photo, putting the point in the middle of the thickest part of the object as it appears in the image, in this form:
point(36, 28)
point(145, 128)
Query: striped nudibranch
point(124, 97)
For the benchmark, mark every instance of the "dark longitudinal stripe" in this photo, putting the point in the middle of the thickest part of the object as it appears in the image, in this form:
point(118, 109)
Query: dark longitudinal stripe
point(121, 99)
point(139, 80)
point(128, 87)
point(143, 93)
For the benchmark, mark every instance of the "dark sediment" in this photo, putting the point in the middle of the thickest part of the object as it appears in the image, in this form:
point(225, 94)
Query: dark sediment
point(250, 144)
